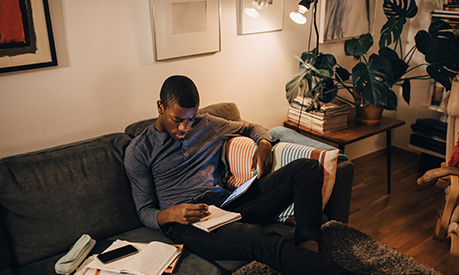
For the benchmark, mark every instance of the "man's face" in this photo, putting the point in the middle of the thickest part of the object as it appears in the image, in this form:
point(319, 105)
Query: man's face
point(175, 120)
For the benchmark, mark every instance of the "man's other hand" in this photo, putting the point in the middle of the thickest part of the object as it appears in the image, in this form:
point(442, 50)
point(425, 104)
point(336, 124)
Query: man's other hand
point(263, 158)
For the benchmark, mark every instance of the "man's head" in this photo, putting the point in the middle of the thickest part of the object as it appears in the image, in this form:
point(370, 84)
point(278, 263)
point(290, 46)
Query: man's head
point(177, 107)
point(179, 89)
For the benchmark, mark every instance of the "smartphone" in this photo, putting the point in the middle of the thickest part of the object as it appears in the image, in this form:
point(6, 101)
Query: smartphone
point(117, 253)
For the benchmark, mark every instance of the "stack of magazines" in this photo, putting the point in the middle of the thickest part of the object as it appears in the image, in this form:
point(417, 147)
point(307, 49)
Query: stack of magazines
point(331, 117)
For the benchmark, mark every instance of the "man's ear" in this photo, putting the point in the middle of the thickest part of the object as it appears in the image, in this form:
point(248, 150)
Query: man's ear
point(160, 107)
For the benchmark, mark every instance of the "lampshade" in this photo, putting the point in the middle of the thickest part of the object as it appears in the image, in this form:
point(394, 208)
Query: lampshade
point(298, 15)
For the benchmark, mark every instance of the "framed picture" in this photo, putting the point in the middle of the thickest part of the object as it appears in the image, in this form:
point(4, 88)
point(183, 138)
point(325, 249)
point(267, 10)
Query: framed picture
point(255, 16)
point(343, 19)
point(26, 36)
point(186, 27)
point(436, 96)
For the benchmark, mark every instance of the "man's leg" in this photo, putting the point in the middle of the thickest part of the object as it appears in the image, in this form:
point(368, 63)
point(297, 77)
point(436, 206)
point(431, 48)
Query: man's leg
point(244, 241)
point(300, 182)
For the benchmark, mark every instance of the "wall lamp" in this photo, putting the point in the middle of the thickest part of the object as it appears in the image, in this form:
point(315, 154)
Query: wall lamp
point(298, 15)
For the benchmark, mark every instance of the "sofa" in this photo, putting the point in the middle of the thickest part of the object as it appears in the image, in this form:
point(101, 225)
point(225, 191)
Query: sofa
point(49, 198)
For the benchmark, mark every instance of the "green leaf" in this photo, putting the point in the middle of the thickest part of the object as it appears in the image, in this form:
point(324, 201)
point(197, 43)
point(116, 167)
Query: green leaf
point(358, 46)
point(440, 33)
point(406, 90)
point(391, 31)
point(372, 81)
point(392, 101)
point(443, 65)
point(438, 47)
point(292, 88)
point(309, 57)
point(399, 66)
point(326, 62)
point(343, 73)
point(400, 8)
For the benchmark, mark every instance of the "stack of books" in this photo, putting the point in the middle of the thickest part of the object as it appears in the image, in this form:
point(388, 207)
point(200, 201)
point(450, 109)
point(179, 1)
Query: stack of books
point(450, 15)
point(452, 5)
point(429, 134)
point(331, 117)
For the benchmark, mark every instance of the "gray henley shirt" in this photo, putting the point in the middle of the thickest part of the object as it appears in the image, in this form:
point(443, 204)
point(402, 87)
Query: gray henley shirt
point(165, 172)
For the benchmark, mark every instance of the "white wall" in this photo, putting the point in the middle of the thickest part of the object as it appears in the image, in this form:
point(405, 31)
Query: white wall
point(108, 78)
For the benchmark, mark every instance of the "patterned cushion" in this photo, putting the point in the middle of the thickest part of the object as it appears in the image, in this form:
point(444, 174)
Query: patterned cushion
point(238, 153)
point(286, 152)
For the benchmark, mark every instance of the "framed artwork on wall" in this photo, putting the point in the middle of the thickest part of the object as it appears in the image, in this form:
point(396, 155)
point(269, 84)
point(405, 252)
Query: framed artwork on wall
point(26, 36)
point(256, 16)
point(186, 27)
point(344, 19)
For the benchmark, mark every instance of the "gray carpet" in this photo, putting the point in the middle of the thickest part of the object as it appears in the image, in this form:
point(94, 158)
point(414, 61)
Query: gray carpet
point(354, 251)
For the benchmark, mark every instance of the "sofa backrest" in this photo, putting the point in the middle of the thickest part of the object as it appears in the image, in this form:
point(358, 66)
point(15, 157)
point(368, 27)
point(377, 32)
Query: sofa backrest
point(227, 110)
point(51, 197)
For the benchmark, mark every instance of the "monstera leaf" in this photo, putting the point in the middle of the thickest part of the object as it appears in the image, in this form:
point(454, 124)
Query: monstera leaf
point(438, 47)
point(391, 31)
point(358, 46)
point(400, 8)
point(296, 84)
point(326, 62)
point(372, 82)
point(406, 90)
point(443, 65)
point(440, 33)
point(343, 74)
point(325, 91)
point(399, 66)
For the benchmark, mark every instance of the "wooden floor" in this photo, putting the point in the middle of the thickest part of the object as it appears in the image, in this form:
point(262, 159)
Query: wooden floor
point(405, 219)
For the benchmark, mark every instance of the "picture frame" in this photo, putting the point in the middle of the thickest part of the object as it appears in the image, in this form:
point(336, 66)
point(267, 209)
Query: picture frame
point(344, 19)
point(28, 41)
point(268, 17)
point(436, 97)
point(186, 27)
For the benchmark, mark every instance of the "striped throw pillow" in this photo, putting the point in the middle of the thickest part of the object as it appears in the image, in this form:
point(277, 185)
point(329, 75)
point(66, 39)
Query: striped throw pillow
point(238, 153)
point(286, 152)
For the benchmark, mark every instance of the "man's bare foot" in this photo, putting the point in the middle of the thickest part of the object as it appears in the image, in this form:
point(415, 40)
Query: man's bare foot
point(311, 245)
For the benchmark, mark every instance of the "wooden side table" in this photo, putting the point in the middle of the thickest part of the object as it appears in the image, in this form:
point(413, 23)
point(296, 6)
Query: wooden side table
point(353, 133)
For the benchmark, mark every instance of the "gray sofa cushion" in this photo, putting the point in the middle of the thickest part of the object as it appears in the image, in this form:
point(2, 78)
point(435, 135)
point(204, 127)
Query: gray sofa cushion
point(52, 197)
point(228, 111)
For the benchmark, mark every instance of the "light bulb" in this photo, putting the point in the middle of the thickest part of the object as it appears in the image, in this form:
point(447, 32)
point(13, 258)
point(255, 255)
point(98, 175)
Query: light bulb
point(298, 15)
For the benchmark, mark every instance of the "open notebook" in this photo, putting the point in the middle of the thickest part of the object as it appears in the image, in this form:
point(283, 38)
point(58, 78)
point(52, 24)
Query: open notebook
point(219, 217)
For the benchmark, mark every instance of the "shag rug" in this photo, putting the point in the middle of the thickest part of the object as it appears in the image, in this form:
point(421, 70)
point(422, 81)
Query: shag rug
point(354, 251)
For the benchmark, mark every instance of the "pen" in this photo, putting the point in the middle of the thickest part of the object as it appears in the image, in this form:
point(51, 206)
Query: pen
point(96, 271)
point(193, 200)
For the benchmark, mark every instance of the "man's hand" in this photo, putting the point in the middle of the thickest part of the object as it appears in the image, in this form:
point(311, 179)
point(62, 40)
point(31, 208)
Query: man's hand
point(263, 158)
point(183, 213)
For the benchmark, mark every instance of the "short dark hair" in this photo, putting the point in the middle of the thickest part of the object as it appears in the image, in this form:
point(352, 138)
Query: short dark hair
point(181, 90)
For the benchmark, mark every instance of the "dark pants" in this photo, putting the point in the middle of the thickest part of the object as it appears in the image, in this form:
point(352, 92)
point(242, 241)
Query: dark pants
point(299, 182)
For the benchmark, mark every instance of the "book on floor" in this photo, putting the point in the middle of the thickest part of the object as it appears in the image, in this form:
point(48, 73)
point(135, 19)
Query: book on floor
point(217, 218)
point(153, 259)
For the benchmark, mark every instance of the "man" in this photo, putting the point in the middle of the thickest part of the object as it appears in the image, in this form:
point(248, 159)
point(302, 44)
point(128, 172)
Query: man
point(176, 159)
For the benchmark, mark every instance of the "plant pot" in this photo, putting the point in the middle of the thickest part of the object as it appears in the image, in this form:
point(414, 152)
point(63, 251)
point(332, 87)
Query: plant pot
point(369, 115)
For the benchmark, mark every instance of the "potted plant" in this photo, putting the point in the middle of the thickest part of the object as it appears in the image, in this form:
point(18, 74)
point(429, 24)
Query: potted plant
point(371, 80)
